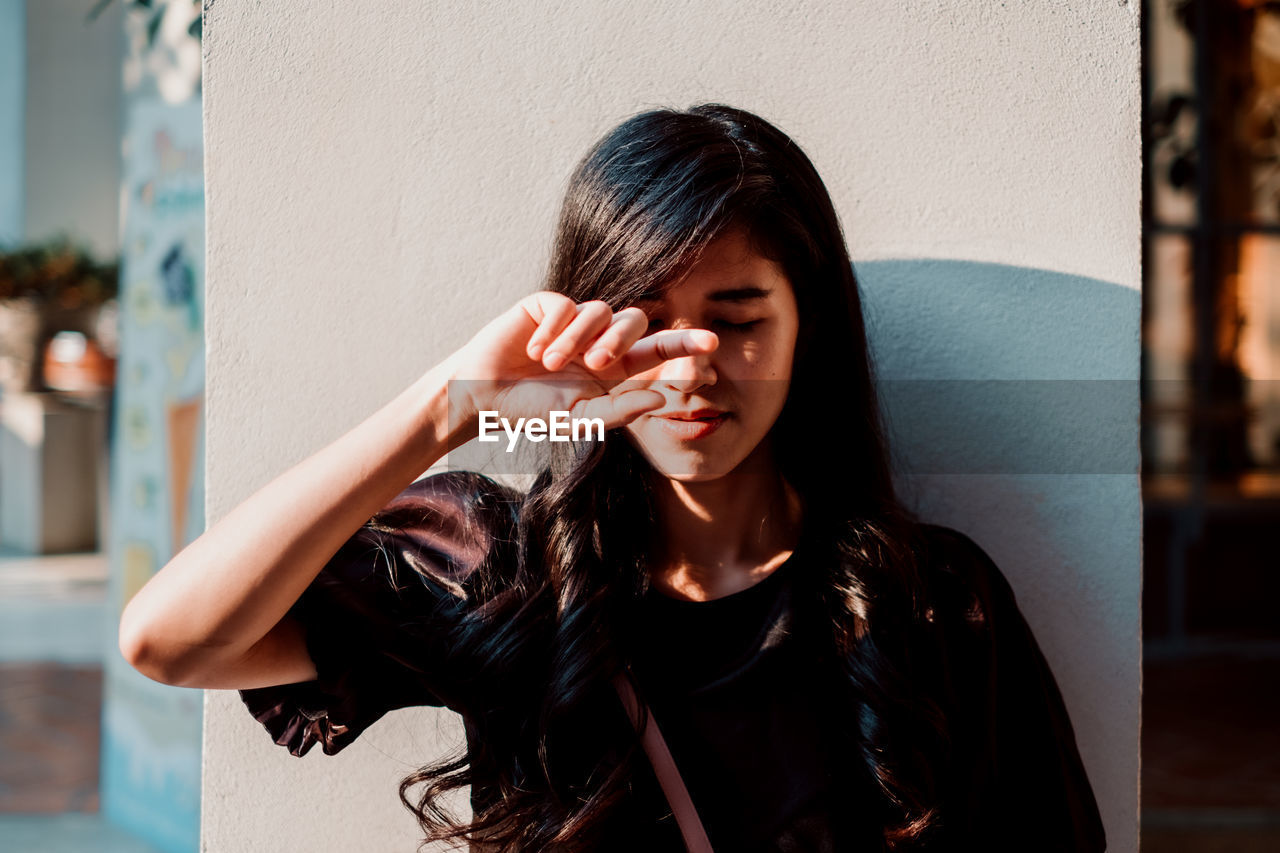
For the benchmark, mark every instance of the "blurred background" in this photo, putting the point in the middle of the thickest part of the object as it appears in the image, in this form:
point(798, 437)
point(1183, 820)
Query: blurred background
point(1211, 426)
point(101, 424)
point(101, 388)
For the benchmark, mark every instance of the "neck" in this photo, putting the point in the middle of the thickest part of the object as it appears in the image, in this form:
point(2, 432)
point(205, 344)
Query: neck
point(724, 535)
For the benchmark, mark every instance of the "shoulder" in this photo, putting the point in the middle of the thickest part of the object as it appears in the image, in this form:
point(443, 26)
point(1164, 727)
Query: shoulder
point(1018, 772)
point(445, 526)
point(467, 498)
point(961, 582)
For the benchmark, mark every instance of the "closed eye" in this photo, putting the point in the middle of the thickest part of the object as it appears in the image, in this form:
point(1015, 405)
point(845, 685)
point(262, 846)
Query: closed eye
point(726, 325)
point(737, 327)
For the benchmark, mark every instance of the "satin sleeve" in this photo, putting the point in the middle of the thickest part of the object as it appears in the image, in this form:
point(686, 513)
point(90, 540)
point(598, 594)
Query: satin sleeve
point(1019, 780)
point(380, 617)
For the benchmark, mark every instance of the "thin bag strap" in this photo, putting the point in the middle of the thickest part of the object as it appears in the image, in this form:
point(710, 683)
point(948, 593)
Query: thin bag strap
point(664, 766)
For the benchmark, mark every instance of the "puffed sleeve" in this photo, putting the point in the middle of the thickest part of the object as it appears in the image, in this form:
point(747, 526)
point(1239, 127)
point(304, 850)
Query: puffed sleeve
point(378, 617)
point(1019, 781)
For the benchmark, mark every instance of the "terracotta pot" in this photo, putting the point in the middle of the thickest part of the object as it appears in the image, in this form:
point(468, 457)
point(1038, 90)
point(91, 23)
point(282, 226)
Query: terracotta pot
point(75, 363)
point(26, 326)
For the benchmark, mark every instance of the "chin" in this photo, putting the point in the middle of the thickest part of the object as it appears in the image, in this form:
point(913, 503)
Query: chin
point(689, 467)
point(704, 460)
point(686, 476)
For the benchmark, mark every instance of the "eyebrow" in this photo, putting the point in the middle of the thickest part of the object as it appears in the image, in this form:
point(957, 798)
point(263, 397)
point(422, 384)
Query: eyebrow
point(733, 294)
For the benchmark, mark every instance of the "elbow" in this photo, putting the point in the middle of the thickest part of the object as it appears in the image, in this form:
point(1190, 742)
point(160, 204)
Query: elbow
point(145, 651)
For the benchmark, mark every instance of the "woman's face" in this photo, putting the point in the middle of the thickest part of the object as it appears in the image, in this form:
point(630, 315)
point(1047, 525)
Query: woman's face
point(720, 406)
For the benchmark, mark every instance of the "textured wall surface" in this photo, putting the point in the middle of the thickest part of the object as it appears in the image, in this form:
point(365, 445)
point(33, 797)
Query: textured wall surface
point(382, 178)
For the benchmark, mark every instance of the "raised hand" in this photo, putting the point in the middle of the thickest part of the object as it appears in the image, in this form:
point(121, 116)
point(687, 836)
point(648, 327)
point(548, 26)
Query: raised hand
point(547, 353)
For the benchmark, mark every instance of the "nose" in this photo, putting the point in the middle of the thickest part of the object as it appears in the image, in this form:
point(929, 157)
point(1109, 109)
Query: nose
point(687, 373)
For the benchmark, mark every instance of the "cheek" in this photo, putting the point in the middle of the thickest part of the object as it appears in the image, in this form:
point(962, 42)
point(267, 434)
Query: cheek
point(772, 368)
point(752, 354)
point(768, 358)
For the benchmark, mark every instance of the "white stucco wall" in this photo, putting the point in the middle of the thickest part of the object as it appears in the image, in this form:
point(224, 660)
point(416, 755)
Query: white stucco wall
point(382, 179)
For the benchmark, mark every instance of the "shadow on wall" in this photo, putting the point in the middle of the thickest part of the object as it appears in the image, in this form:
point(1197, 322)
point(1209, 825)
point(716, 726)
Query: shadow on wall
point(934, 319)
point(1011, 397)
point(989, 369)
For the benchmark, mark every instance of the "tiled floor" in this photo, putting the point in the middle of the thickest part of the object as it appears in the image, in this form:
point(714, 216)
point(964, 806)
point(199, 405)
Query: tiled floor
point(49, 737)
point(51, 641)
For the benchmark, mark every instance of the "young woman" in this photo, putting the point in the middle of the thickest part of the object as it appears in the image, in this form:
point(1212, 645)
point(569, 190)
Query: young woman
point(827, 672)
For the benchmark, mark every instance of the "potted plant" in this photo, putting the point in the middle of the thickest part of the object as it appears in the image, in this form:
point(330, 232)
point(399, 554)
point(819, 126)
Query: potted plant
point(46, 288)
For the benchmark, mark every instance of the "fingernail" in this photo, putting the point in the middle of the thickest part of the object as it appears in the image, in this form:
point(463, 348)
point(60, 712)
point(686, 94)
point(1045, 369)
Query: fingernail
point(598, 357)
point(704, 338)
point(535, 351)
point(555, 360)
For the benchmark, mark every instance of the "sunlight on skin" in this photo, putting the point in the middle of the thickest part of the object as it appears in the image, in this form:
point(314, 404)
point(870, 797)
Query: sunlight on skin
point(719, 491)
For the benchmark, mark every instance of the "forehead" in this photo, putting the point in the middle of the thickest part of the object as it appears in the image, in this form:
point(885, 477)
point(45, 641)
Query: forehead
point(729, 271)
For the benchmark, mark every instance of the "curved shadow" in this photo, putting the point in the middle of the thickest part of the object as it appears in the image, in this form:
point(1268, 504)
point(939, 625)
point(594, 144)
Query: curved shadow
point(1011, 398)
point(937, 319)
point(988, 369)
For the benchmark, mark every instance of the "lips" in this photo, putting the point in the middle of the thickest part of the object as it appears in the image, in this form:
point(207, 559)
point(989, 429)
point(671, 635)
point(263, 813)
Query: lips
point(694, 424)
point(695, 415)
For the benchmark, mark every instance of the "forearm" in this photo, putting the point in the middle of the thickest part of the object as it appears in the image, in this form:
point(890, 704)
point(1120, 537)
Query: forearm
point(223, 592)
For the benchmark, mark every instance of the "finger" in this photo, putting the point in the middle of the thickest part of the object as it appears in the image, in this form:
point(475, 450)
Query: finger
point(593, 317)
point(627, 327)
point(653, 350)
point(551, 312)
point(619, 409)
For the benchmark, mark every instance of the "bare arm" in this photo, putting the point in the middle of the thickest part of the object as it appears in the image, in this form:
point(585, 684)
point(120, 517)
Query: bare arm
point(215, 615)
point(212, 617)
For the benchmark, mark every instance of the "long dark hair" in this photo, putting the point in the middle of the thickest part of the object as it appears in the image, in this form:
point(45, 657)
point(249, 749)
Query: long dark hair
point(554, 604)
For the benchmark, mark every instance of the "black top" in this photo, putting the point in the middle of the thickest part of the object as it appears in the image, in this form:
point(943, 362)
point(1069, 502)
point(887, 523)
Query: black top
point(740, 694)
point(742, 691)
